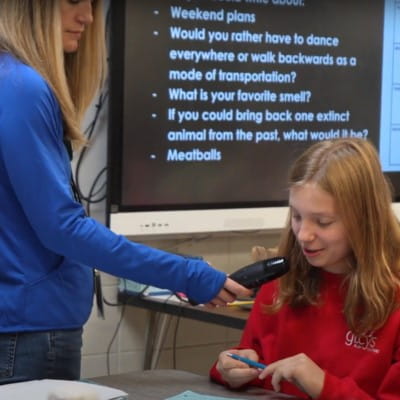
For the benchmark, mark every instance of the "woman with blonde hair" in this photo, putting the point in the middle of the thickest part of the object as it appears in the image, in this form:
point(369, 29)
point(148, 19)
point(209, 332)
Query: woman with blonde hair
point(330, 328)
point(52, 63)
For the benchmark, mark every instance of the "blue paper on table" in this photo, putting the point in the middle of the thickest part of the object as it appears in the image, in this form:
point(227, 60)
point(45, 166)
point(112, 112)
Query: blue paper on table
point(189, 395)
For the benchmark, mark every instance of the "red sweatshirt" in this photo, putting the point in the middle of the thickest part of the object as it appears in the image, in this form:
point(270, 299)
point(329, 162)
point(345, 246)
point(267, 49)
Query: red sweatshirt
point(357, 368)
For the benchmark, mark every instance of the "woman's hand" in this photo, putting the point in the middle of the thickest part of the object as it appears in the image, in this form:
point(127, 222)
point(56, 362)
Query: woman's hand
point(299, 370)
point(229, 293)
point(237, 373)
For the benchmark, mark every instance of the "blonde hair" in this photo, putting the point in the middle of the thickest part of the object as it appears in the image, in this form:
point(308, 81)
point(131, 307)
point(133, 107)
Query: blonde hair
point(31, 31)
point(350, 171)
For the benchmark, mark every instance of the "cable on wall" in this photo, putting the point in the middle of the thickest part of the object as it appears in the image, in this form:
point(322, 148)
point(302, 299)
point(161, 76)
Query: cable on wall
point(94, 195)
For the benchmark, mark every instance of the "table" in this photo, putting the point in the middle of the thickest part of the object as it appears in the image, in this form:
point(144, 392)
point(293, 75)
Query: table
point(232, 317)
point(160, 384)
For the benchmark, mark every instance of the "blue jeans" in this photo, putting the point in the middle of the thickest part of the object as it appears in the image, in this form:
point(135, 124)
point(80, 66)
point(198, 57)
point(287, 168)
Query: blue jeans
point(40, 355)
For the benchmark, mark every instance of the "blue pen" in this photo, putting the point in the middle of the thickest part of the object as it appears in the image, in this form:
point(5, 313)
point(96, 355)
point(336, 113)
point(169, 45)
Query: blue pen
point(247, 361)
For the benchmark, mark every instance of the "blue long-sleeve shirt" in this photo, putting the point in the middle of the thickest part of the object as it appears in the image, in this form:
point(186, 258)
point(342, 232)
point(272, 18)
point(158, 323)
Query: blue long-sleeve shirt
point(47, 245)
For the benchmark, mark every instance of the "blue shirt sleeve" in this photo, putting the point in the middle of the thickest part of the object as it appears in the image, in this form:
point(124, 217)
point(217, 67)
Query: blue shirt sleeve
point(35, 164)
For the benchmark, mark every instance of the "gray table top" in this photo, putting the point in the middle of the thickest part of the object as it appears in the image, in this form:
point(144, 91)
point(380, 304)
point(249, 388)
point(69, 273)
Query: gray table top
point(233, 317)
point(159, 384)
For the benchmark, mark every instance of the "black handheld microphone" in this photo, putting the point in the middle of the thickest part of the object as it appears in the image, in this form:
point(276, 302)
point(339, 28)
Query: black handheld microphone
point(254, 275)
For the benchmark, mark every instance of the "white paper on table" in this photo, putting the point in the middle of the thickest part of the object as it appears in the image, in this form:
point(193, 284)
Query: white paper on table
point(40, 389)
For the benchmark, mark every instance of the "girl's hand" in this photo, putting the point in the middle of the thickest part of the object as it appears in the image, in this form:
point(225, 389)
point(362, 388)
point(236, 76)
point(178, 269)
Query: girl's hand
point(237, 373)
point(229, 293)
point(299, 370)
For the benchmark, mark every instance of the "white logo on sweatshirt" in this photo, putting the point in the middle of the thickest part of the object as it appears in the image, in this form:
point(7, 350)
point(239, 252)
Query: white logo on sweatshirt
point(364, 342)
